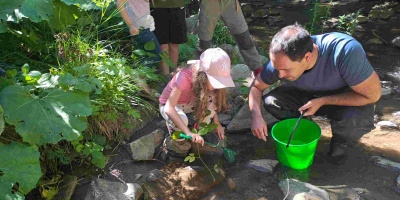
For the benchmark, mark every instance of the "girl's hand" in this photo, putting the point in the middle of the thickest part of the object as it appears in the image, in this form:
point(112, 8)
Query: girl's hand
point(133, 30)
point(221, 132)
point(196, 138)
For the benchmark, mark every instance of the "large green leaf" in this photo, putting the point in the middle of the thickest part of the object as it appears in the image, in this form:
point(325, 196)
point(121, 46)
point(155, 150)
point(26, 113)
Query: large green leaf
point(2, 123)
point(64, 15)
point(83, 4)
point(35, 10)
point(47, 117)
point(18, 163)
point(8, 7)
point(3, 27)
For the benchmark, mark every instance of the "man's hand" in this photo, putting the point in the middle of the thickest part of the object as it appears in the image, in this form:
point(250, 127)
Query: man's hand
point(259, 128)
point(312, 106)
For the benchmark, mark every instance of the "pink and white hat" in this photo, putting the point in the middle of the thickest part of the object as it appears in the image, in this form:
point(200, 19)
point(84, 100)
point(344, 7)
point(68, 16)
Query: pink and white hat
point(217, 65)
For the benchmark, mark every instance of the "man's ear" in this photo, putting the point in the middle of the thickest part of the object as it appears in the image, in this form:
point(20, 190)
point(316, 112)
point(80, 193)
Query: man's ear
point(308, 56)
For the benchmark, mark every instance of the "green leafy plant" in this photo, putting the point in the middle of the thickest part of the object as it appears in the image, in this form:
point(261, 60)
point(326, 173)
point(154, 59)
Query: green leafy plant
point(318, 15)
point(245, 90)
point(348, 23)
point(222, 35)
point(93, 148)
point(204, 128)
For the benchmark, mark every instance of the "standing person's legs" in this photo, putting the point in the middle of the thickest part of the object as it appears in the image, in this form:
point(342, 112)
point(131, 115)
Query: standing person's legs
point(177, 32)
point(237, 25)
point(209, 14)
point(161, 22)
point(163, 65)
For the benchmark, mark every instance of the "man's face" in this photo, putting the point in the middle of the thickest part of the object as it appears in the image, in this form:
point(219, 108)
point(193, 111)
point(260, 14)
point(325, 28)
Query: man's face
point(288, 69)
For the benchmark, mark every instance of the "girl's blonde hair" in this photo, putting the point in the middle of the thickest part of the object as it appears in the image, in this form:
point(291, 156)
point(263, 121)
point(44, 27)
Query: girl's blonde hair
point(202, 93)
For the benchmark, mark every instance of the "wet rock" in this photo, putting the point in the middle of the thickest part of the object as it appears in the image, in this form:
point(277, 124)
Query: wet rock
point(249, 20)
point(242, 120)
point(374, 41)
point(306, 196)
point(344, 193)
point(229, 49)
point(398, 185)
point(154, 175)
point(247, 10)
point(396, 114)
point(292, 188)
point(67, 187)
point(242, 72)
point(264, 165)
point(260, 13)
point(191, 24)
point(387, 125)
point(273, 20)
point(362, 19)
point(104, 189)
point(382, 11)
point(143, 148)
point(396, 42)
point(138, 176)
point(161, 124)
point(385, 163)
point(224, 117)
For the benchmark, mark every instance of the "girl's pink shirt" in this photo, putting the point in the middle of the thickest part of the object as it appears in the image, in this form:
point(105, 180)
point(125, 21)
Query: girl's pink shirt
point(183, 81)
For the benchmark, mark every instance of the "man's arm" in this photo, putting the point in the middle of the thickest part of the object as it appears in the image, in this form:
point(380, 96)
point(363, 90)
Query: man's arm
point(367, 92)
point(258, 125)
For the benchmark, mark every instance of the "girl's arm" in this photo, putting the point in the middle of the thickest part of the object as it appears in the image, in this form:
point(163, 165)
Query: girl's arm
point(220, 129)
point(174, 116)
point(124, 14)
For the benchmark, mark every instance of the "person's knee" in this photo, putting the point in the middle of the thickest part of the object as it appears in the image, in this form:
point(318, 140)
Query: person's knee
point(164, 47)
point(244, 40)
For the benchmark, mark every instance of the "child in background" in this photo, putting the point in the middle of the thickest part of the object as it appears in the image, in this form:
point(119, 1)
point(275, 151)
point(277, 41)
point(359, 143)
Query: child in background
point(136, 14)
point(199, 88)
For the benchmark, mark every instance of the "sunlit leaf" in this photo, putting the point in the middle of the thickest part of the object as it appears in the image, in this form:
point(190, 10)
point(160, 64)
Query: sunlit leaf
point(48, 117)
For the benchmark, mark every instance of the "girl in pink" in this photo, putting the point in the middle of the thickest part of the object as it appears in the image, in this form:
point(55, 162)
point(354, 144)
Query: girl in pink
point(199, 88)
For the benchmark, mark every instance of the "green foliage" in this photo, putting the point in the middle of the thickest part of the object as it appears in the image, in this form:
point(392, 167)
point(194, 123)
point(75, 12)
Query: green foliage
point(2, 122)
point(348, 23)
point(45, 115)
point(93, 147)
point(222, 35)
point(18, 163)
point(35, 10)
point(186, 53)
point(318, 15)
point(191, 157)
point(245, 90)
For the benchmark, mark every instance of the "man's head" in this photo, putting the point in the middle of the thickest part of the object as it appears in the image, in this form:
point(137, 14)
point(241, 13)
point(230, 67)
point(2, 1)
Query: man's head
point(290, 51)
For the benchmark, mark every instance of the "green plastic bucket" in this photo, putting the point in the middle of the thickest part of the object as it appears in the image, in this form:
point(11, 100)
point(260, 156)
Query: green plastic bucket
point(300, 153)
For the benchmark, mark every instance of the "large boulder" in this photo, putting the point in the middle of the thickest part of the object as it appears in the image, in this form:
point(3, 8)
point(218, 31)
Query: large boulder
point(144, 147)
point(191, 24)
point(242, 120)
point(101, 189)
point(295, 189)
point(396, 42)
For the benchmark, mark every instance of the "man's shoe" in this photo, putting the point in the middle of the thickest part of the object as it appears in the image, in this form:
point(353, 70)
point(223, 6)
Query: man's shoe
point(337, 153)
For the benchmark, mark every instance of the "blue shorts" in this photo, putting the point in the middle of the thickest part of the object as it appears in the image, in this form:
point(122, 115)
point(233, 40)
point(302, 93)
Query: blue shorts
point(141, 39)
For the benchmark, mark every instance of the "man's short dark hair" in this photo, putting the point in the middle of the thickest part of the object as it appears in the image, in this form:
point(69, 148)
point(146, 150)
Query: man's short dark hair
point(294, 41)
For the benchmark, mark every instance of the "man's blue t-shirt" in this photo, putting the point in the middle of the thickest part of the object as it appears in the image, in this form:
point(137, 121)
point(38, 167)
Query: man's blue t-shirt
point(341, 63)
